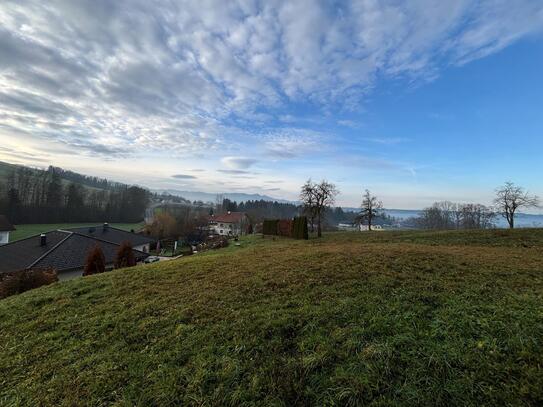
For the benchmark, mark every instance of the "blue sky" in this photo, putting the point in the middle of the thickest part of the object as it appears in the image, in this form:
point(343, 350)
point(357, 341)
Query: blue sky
point(419, 101)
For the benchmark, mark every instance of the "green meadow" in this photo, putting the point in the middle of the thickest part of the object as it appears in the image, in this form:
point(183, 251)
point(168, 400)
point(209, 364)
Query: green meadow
point(380, 319)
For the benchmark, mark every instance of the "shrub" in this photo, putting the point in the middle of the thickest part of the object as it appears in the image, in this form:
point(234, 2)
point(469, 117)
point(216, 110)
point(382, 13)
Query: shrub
point(95, 262)
point(20, 281)
point(299, 228)
point(269, 227)
point(125, 256)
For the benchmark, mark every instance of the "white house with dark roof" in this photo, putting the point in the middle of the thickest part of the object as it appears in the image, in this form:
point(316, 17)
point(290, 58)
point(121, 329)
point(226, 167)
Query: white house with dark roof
point(5, 228)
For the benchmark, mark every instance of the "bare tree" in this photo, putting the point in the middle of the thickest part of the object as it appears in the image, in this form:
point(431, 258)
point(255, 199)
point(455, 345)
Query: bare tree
point(510, 197)
point(307, 197)
point(316, 198)
point(371, 208)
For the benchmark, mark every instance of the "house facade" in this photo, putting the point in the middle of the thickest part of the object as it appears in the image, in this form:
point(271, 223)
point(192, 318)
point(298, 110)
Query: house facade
point(229, 224)
point(5, 228)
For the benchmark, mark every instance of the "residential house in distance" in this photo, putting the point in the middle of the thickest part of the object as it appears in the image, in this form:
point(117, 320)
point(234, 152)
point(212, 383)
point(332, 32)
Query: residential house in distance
point(5, 228)
point(229, 224)
point(347, 227)
point(365, 228)
point(66, 250)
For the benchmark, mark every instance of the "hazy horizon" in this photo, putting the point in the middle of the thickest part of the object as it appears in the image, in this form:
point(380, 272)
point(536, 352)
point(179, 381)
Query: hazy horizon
point(418, 103)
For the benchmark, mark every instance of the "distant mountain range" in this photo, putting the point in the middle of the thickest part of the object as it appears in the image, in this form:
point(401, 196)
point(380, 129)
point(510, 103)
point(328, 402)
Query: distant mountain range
point(212, 197)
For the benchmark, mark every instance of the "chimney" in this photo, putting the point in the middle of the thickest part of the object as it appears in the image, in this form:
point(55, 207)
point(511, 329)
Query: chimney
point(106, 227)
point(43, 239)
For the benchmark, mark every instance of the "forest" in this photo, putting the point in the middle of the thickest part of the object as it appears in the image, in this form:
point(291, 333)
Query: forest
point(55, 195)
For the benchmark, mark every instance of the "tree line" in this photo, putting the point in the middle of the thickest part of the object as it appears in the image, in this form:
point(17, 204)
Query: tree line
point(45, 196)
point(318, 198)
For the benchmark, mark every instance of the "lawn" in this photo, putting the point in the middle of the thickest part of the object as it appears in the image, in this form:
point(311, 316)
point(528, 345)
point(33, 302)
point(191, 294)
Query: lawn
point(24, 231)
point(413, 318)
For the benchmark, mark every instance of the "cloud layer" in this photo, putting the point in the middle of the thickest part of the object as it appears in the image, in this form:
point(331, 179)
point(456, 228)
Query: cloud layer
point(227, 79)
point(110, 77)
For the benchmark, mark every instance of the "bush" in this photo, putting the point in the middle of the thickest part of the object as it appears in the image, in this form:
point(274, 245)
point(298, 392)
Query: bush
point(95, 262)
point(125, 256)
point(299, 228)
point(20, 281)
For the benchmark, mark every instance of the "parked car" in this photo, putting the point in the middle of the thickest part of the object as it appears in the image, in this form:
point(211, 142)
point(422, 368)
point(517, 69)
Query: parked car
point(152, 259)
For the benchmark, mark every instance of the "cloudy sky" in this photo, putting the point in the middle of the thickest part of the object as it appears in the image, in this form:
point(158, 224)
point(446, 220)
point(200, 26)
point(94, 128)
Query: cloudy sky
point(419, 100)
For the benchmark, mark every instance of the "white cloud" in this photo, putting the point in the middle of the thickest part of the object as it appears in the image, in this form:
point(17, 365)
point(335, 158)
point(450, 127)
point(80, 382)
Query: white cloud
point(185, 77)
point(238, 163)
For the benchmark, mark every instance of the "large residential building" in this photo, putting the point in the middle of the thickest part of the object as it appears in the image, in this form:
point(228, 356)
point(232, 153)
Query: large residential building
point(66, 250)
point(5, 228)
point(229, 224)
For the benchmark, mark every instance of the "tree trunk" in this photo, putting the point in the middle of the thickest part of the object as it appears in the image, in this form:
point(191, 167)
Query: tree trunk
point(511, 220)
point(369, 223)
point(319, 229)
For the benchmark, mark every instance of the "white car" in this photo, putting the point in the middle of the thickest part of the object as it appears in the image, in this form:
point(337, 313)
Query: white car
point(152, 259)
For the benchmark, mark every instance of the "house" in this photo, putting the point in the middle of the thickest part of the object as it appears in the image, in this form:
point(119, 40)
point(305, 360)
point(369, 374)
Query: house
point(229, 224)
point(5, 228)
point(65, 251)
point(108, 233)
point(365, 228)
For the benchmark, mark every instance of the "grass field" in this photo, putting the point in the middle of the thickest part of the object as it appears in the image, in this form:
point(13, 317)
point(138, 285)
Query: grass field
point(24, 231)
point(414, 318)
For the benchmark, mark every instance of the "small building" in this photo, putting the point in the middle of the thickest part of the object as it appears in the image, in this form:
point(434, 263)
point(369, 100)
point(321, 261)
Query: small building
point(66, 250)
point(347, 226)
point(229, 224)
point(365, 228)
point(5, 228)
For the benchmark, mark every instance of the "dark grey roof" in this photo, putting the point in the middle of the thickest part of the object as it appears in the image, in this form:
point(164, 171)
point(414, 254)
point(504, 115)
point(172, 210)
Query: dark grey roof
point(113, 235)
point(63, 251)
point(20, 254)
point(5, 225)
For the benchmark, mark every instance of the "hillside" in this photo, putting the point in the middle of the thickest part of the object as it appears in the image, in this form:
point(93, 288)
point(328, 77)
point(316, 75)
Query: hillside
point(66, 177)
point(414, 318)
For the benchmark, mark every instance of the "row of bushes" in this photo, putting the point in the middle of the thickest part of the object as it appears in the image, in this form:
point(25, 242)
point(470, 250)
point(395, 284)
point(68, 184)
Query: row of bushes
point(295, 228)
point(20, 281)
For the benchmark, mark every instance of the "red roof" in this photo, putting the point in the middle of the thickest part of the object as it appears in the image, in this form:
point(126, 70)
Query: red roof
point(230, 217)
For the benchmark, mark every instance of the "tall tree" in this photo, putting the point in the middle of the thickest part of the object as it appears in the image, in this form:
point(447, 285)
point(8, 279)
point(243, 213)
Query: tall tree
point(316, 198)
point(75, 201)
point(370, 209)
point(54, 190)
point(509, 198)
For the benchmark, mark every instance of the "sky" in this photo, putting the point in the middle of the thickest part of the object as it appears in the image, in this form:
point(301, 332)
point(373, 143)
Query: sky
point(419, 100)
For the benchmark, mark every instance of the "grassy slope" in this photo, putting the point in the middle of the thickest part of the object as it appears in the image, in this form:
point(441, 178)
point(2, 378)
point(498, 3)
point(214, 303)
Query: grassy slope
point(24, 231)
point(389, 319)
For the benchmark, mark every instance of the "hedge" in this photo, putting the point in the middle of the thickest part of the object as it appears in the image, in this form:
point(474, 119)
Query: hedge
point(299, 228)
point(269, 227)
